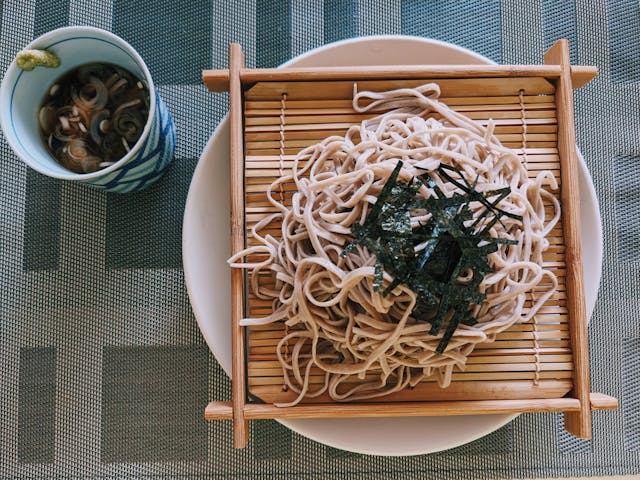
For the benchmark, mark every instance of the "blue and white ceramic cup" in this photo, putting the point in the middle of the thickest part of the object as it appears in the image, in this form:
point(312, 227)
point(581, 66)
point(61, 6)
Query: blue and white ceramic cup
point(22, 92)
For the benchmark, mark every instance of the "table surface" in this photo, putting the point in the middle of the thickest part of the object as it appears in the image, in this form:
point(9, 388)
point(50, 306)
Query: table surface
point(104, 370)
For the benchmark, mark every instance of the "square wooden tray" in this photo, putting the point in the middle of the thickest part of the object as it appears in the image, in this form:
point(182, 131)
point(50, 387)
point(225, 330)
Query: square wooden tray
point(541, 365)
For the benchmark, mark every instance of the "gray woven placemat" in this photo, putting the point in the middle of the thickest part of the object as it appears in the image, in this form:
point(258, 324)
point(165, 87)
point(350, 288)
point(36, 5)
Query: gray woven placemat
point(103, 370)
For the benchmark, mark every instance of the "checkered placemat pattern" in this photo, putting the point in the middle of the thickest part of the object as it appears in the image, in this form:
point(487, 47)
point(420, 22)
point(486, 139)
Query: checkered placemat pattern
point(103, 370)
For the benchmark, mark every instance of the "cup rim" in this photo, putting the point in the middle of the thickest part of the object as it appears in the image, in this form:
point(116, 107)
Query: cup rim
point(52, 38)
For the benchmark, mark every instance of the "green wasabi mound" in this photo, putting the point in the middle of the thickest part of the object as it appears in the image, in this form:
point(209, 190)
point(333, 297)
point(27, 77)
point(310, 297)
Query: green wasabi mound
point(29, 59)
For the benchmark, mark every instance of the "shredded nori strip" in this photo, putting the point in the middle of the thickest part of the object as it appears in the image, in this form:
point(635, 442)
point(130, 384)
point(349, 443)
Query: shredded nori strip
point(450, 248)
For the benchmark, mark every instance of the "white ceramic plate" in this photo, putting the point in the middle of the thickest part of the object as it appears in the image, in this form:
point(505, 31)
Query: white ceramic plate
point(206, 248)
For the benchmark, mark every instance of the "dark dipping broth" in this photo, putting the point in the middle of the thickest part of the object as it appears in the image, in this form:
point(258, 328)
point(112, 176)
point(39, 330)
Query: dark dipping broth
point(93, 115)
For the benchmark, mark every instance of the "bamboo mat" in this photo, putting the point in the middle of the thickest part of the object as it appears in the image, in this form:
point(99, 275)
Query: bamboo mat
point(531, 360)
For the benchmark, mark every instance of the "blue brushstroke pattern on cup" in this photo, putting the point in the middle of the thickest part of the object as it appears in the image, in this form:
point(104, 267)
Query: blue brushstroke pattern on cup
point(152, 159)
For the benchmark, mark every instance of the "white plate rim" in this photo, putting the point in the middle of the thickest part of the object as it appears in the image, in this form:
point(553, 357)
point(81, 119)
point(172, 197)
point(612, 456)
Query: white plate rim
point(302, 426)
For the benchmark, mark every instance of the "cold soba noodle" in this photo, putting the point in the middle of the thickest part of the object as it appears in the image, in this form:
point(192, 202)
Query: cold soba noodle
point(345, 315)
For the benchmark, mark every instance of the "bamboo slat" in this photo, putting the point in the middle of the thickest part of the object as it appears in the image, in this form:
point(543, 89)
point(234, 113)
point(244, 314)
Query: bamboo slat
point(451, 101)
point(352, 118)
point(328, 125)
point(579, 422)
point(321, 134)
point(218, 80)
point(431, 392)
point(459, 104)
point(598, 401)
point(258, 370)
point(449, 87)
point(240, 424)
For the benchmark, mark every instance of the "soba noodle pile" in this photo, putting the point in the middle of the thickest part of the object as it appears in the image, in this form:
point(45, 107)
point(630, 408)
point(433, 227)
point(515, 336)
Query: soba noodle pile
point(364, 344)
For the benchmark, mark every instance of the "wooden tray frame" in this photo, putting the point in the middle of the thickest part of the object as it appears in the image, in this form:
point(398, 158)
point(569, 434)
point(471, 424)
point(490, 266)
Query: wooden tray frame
point(576, 405)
